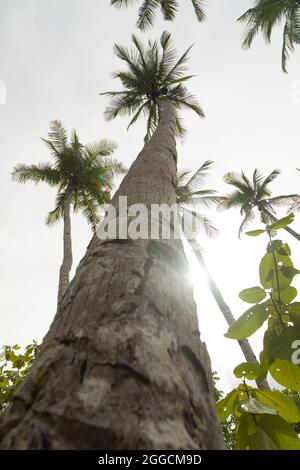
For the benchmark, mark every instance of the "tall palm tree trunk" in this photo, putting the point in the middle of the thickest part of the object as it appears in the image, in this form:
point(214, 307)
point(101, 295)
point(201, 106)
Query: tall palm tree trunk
point(288, 229)
point(225, 310)
point(122, 366)
point(64, 273)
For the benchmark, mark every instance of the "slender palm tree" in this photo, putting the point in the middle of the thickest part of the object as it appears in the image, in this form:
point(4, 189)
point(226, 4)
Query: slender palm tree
point(122, 366)
point(83, 175)
point(256, 194)
point(265, 15)
point(169, 8)
point(191, 197)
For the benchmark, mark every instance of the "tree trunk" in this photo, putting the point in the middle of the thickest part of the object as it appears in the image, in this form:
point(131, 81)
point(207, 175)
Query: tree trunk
point(288, 229)
point(64, 272)
point(122, 366)
point(225, 310)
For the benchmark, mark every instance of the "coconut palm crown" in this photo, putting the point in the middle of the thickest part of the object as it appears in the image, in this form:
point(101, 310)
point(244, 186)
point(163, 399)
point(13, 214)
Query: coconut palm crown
point(154, 73)
point(84, 171)
point(254, 193)
point(265, 15)
point(169, 8)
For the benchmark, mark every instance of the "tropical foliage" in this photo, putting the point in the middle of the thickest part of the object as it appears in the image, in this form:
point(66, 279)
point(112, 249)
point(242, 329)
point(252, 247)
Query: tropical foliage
point(254, 193)
point(154, 73)
point(265, 15)
point(191, 197)
point(266, 418)
point(14, 366)
point(83, 171)
point(169, 8)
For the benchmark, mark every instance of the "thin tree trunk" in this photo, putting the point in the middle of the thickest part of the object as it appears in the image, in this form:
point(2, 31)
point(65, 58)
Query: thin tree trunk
point(288, 229)
point(225, 310)
point(122, 366)
point(64, 272)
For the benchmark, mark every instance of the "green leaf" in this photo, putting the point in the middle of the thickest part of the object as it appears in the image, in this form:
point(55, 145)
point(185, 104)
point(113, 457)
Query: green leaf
point(251, 405)
point(249, 370)
point(279, 432)
point(265, 268)
point(286, 373)
point(289, 271)
point(248, 323)
point(267, 432)
point(294, 313)
point(251, 437)
point(253, 295)
point(282, 223)
point(286, 407)
point(281, 346)
point(227, 405)
point(255, 233)
point(286, 295)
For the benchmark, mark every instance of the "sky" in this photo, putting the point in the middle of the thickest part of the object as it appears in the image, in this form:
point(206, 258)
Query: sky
point(55, 58)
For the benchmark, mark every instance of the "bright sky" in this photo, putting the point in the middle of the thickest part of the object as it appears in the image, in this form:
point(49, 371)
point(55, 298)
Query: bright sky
point(55, 58)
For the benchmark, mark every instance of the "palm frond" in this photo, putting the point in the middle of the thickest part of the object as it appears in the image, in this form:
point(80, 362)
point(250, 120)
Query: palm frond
point(169, 8)
point(57, 213)
point(200, 223)
point(249, 217)
point(58, 135)
point(42, 172)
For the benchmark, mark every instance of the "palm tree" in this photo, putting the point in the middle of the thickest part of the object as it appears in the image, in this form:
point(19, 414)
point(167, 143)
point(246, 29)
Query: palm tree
point(190, 197)
point(122, 366)
point(83, 175)
point(168, 8)
point(268, 13)
point(152, 80)
point(255, 194)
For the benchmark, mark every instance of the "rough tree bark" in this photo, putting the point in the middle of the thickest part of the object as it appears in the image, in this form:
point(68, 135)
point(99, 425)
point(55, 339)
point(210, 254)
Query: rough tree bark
point(226, 311)
point(64, 272)
point(122, 366)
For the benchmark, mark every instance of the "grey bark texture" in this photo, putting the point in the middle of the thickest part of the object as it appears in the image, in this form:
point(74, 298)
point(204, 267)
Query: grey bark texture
point(64, 273)
point(226, 311)
point(122, 366)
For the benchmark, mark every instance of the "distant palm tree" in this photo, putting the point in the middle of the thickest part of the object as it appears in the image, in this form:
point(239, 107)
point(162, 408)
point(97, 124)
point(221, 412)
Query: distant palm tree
point(168, 8)
point(255, 194)
point(190, 198)
point(268, 13)
point(83, 175)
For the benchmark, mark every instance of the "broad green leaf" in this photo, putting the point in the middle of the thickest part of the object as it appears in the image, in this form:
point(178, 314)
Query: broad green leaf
point(286, 407)
point(253, 295)
point(227, 405)
point(269, 432)
point(286, 373)
point(255, 233)
point(282, 275)
point(289, 271)
point(279, 431)
point(281, 346)
point(248, 323)
point(294, 313)
point(251, 405)
point(286, 295)
point(282, 223)
point(266, 268)
point(251, 437)
point(249, 370)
